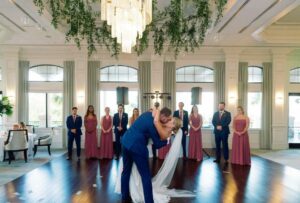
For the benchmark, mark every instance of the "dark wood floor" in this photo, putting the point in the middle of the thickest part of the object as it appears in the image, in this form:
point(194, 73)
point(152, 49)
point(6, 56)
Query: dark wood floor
point(71, 181)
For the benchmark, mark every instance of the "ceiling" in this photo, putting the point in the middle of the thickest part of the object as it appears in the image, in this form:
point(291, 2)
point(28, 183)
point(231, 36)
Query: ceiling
point(245, 23)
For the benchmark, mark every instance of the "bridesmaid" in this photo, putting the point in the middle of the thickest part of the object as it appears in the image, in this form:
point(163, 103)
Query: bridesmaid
point(106, 143)
point(195, 144)
point(90, 124)
point(240, 142)
point(162, 152)
point(135, 115)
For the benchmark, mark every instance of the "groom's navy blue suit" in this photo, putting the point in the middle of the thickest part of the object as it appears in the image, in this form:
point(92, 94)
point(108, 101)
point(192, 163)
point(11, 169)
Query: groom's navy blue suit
point(135, 150)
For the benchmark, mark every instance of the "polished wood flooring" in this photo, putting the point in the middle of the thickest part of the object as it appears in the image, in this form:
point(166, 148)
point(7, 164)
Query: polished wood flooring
point(93, 181)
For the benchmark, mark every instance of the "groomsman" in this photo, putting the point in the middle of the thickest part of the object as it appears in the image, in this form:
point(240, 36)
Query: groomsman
point(183, 115)
point(221, 121)
point(74, 124)
point(120, 122)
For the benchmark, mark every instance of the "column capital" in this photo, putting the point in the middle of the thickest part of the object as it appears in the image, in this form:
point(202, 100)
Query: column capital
point(232, 52)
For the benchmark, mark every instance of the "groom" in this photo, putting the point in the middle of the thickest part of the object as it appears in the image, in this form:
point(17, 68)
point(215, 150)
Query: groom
point(158, 127)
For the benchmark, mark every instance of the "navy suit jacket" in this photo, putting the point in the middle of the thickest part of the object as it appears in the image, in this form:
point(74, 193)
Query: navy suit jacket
point(77, 125)
point(224, 122)
point(136, 137)
point(185, 121)
point(124, 122)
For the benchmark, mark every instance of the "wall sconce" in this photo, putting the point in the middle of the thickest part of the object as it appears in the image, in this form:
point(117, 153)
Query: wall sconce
point(279, 98)
point(232, 98)
point(11, 97)
point(80, 97)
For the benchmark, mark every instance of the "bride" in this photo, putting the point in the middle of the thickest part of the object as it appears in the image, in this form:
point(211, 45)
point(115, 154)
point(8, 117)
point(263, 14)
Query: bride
point(161, 181)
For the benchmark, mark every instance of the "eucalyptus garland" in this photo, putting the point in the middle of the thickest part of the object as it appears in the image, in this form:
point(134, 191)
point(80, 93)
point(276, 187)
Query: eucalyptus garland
point(171, 27)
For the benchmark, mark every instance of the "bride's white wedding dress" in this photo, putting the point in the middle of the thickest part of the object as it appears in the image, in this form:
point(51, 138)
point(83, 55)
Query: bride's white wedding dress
point(160, 182)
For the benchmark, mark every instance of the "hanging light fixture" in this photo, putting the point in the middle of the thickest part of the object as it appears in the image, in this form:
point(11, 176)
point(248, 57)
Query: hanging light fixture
point(127, 18)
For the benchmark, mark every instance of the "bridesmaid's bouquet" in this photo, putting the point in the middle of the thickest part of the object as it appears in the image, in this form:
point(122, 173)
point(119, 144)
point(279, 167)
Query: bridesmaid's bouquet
point(6, 107)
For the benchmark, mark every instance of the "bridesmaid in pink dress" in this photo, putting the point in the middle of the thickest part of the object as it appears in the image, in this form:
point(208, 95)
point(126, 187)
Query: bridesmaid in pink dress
point(106, 143)
point(240, 142)
point(195, 143)
point(90, 124)
point(163, 151)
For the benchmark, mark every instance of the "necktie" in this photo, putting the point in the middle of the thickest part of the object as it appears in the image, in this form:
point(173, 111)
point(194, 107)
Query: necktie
point(120, 119)
point(74, 118)
point(220, 114)
point(181, 115)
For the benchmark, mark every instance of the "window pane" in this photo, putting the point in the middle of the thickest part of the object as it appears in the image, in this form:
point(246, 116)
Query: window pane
point(194, 74)
point(118, 73)
point(37, 109)
point(189, 78)
point(189, 70)
point(180, 78)
point(206, 109)
point(255, 75)
point(55, 109)
point(46, 73)
point(123, 77)
point(295, 75)
point(254, 109)
point(109, 99)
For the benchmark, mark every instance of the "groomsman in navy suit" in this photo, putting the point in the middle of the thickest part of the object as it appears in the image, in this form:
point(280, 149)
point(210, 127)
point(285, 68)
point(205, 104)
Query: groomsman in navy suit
point(120, 122)
point(184, 116)
point(221, 121)
point(158, 127)
point(74, 124)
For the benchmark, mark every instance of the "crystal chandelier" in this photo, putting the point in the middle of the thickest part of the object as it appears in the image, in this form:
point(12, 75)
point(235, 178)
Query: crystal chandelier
point(127, 18)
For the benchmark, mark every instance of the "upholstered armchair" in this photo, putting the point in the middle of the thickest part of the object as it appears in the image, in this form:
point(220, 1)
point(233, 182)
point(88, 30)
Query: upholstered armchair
point(43, 140)
point(17, 140)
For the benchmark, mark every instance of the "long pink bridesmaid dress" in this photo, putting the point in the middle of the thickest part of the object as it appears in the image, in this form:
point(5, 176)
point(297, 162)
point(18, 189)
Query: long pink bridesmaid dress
point(195, 143)
point(240, 153)
point(106, 141)
point(90, 145)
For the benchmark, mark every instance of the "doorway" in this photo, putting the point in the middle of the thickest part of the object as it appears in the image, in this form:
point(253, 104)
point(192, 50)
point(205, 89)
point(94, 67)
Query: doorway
point(294, 120)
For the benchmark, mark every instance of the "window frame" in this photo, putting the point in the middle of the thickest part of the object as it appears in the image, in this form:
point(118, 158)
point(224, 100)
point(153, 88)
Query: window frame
point(45, 65)
point(262, 74)
point(194, 66)
point(118, 74)
point(47, 109)
point(295, 68)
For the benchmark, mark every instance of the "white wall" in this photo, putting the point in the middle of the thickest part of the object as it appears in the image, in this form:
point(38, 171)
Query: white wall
point(283, 59)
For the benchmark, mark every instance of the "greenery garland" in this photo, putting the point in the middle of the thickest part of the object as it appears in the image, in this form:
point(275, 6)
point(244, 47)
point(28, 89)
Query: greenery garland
point(6, 107)
point(171, 27)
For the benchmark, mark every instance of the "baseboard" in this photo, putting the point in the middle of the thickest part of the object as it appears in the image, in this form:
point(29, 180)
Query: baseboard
point(294, 145)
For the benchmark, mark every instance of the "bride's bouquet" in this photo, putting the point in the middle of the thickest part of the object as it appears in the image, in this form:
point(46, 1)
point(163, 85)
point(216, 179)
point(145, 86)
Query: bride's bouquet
point(6, 107)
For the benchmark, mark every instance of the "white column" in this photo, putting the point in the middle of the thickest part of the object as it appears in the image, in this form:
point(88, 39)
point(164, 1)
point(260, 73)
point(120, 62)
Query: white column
point(80, 75)
point(10, 79)
point(157, 65)
point(80, 85)
point(231, 83)
point(280, 99)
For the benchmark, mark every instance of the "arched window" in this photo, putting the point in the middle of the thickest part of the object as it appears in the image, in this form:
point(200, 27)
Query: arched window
point(255, 74)
point(45, 98)
point(45, 73)
point(191, 76)
point(118, 73)
point(295, 75)
point(254, 105)
point(194, 74)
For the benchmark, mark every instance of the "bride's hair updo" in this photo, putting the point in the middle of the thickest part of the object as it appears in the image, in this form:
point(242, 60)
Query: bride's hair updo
point(177, 124)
